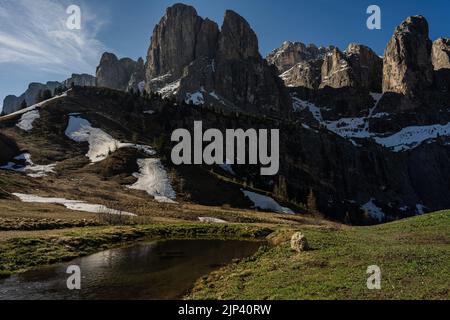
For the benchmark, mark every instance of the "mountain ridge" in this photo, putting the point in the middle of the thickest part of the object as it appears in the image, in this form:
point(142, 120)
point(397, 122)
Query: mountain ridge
point(362, 154)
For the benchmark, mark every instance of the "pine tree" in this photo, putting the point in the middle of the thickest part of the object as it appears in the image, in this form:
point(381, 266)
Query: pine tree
point(347, 219)
point(311, 201)
point(281, 188)
point(23, 105)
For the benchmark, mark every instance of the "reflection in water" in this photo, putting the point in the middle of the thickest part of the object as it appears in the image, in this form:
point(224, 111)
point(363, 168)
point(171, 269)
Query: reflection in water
point(157, 270)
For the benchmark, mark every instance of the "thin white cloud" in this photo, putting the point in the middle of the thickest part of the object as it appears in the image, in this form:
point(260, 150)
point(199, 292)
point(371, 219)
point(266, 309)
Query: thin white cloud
point(34, 33)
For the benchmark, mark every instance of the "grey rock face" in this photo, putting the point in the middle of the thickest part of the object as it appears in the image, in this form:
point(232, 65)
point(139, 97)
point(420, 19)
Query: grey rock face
point(311, 67)
point(441, 54)
point(207, 38)
point(173, 42)
point(82, 80)
point(242, 75)
point(357, 67)
point(337, 71)
point(307, 74)
point(367, 67)
point(190, 56)
point(114, 73)
point(137, 79)
point(13, 103)
point(237, 39)
point(292, 53)
point(441, 63)
point(407, 60)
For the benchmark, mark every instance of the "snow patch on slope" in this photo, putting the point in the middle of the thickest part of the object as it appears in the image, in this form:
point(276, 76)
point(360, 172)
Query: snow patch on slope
point(300, 105)
point(195, 98)
point(349, 127)
point(37, 171)
point(406, 139)
point(227, 167)
point(373, 211)
point(217, 97)
point(71, 204)
point(101, 144)
point(153, 179)
point(141, 86)
point(411, 137)
point(26, 121)
point(211, 220)
point(170, 89)
point(266, 203)
point(420, 209)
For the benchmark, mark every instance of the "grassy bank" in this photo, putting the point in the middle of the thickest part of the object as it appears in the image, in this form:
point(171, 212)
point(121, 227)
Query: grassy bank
point(34, 249)
point(413, 254)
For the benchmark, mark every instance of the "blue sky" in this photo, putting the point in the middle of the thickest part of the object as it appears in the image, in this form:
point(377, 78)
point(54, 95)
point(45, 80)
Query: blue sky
point(35, 45)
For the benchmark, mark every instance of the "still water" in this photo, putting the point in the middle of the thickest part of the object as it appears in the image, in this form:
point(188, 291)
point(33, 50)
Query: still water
point(156, 270)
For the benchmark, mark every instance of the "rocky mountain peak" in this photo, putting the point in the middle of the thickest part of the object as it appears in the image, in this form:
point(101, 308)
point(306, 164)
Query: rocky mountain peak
point(173, 42)
point(13, 103)
point(192, 59)
point(407, 60)
point(311, 67)
point(414, 24)
point(292, 53)
point(237, 39)
point(336, 70)
point(441, 54)
point(207, 39)
point(116, 74)
point(366, 65)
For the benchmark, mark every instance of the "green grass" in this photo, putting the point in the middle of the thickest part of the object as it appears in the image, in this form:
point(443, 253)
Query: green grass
point(413, 254)
point(25, 253)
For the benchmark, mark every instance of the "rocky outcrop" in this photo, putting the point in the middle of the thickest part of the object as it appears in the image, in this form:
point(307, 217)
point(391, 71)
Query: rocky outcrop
point(190, 58)
point(299, 243)
point(242, 76)
point(13, 103)
point(337, 71)
point(441, 62)
point(358, 67)
point(307, 74)
point(407, 59)
point(82, 80)
point(367, 67)
point(313, 68)
point(237, 41)
point(441, 54)
point(207, 39)
point(117, 74)
point(137, 79)
point(292, 53)
point(173, 42)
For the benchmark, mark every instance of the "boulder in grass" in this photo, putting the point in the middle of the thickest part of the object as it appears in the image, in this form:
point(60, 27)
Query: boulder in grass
point(299, 243)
